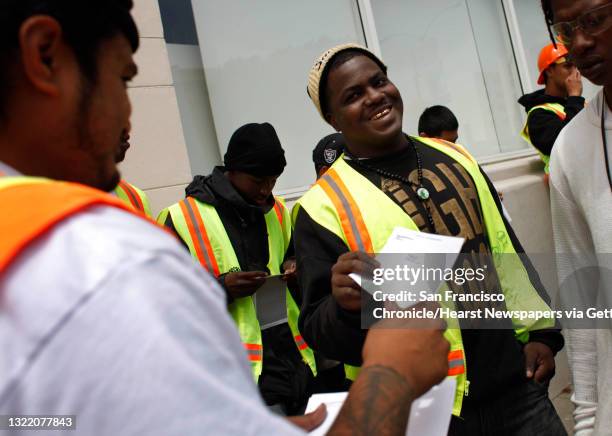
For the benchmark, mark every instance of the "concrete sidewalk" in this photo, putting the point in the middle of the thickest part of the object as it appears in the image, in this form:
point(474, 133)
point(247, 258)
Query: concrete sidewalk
point(565, 408)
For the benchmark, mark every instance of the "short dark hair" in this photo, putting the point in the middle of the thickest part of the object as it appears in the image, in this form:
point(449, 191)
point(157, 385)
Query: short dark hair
point(436, 119)
point(85, 24)
point(336, 62)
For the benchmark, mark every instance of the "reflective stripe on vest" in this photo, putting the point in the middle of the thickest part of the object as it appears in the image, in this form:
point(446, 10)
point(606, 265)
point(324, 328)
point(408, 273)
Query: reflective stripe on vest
point(555, 108)
point(199, 236)
point(278, 208)
point(200, 227)
point(381, 215)
point(300, 342)
point(457, 147)
point(456, 366)
point(354, 228)
point(134, 197)
point(36, 205)
point(456, 363)
point(254, 352)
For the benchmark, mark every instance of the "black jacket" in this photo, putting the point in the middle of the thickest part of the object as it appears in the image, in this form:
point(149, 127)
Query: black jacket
point(544, 126)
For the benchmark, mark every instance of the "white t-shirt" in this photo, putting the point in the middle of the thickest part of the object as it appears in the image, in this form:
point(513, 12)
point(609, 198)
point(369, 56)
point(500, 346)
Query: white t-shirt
point(108, 318)
point(581, 207)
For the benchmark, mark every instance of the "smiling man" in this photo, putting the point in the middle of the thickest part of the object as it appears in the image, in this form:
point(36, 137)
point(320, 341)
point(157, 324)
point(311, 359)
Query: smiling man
point(388, 179)
point(581, 201)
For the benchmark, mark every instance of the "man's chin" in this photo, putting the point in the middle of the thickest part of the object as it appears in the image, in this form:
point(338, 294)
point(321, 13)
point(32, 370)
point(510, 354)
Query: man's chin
point(110, 183)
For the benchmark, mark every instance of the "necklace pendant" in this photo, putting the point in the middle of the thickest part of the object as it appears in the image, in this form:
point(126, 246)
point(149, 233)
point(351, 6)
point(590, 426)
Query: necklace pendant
point(423, 193)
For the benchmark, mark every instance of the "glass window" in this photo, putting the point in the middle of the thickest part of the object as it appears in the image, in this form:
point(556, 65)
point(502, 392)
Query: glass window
point(238, 61)
point(456, 53)
point(190, 85)
point(256, 58)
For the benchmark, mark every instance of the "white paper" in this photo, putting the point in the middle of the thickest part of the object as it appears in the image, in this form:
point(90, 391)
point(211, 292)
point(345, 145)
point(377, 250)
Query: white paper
point(333, 402)
point(271, 302)
point(410, 246)
point(406, 241)
point(429, 415)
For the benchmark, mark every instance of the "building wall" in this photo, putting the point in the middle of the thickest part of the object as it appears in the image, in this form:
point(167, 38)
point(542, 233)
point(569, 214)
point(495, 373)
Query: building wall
point(158, 161)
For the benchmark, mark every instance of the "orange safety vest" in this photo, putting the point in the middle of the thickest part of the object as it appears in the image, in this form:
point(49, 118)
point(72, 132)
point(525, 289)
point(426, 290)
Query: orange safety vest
point(36, 205)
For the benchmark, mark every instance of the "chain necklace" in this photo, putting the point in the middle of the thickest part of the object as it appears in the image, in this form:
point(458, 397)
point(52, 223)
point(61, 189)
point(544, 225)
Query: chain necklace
point(421, 192)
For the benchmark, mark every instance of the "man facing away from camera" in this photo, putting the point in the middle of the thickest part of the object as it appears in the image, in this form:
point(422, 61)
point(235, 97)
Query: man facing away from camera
point(103, 315)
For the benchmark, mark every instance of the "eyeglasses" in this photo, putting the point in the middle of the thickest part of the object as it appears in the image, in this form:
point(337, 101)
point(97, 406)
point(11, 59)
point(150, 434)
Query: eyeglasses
point(592, 23)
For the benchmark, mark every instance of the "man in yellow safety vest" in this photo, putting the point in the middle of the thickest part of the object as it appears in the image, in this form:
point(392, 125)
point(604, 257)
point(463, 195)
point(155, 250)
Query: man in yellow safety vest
point(388, 179)
point(552, 108)
point(233, 225)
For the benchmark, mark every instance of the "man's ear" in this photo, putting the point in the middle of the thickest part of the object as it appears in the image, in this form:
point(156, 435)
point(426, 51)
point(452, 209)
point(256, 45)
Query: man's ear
point(547, 73)
point(40, 44)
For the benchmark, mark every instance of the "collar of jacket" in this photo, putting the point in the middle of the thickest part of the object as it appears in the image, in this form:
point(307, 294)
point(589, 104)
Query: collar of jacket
point(216, 187)
point(539, 97)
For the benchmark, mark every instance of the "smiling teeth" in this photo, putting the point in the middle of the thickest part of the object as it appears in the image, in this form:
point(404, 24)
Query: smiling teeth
point(381, 114)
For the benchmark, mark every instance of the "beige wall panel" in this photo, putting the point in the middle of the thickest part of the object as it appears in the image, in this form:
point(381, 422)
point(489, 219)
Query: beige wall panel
point(158, 156)
point(164, 197)
point(153, 64)
point(147, 16)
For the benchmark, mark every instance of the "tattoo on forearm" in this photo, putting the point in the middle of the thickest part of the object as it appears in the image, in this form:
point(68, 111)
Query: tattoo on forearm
point(378, 404)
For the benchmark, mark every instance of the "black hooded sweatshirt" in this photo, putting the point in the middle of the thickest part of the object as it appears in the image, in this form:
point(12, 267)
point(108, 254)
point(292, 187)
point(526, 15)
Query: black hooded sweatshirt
point(544, 126)
point(284, 379)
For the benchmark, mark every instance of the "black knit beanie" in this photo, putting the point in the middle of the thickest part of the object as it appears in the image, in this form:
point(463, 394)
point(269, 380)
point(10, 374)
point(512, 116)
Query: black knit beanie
point(255, 149)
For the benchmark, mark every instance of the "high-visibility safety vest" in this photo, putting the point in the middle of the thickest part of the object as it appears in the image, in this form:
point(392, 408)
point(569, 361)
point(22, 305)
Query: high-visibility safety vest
point(199, 225)
point(36, 205)
point(555, 108)
point(360, 214)
point(134, 197)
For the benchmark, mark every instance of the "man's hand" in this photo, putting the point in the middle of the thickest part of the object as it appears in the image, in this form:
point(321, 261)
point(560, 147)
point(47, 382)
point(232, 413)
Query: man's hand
point(414, 348)
point(244, 283)
point(573, 83)
point(402, 359)
point(290, 270)
point(345, 290)
point(539, 362)
point(311, 420)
